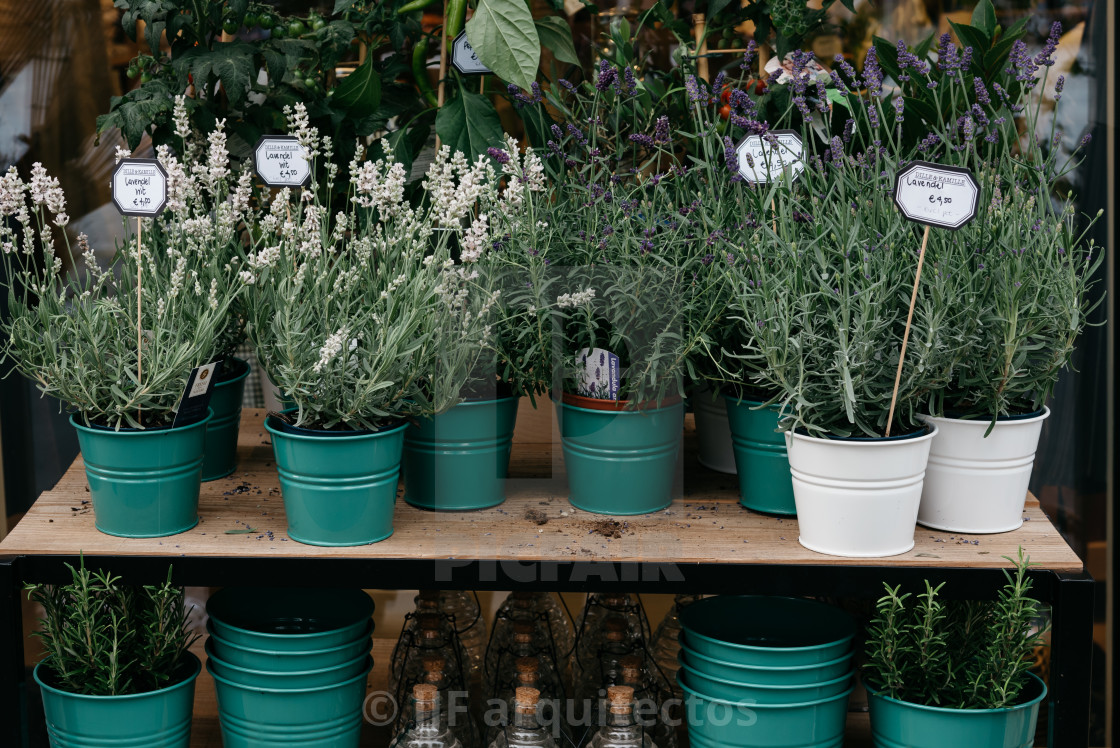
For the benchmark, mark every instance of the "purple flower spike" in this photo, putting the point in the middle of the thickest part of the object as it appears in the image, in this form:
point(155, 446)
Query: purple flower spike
point(1045, 58)
point(498, 155)
point(982, 95)
point(607, 76)
point(1059, 86)
point(749, 55)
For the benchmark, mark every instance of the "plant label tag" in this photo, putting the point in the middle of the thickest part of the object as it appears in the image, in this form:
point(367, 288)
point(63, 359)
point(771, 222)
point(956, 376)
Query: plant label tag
point(765, 158)
point(281, 161)
point(934, 195)
point(600, 376)
point(463, 57)
point(139, 187)
point(196, 397)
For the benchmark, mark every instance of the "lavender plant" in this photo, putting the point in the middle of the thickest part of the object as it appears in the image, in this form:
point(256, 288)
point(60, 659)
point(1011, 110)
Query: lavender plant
point(955, 654)
point(84, 336)
point(362, 317)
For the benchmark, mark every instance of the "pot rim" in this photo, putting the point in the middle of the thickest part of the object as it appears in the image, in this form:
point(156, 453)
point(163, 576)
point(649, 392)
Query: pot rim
point(1025, 420)
point(307, 636)
point(334, 437)
point(315, 689)
point(239, 377)
point(763, 668)
point(750, 702)
point(128, 431)
point(286, 653)
point(765, 686)
point(184, 683)
point(880, 442)
point(615, 406)
point(950, 710)
point(281, 674)
point(847, 622)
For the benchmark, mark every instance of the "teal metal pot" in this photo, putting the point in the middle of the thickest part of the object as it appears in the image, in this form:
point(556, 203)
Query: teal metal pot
point(286, 620)
point(285, 662)
point(338, 490)
point(767, 630)
point(144, 483)
point(239, 734)
point(727, 724)
point(305, 710)
point(157, 718)
point(765, 483)
point(900, 724)
point(284, 680)
point(620, 462)
point(221, 432)
point(459, 460)
point(756, 693)
point(777, 675)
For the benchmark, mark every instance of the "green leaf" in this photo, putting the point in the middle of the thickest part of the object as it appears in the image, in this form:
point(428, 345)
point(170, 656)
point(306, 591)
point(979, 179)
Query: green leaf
point(839, 98)
point(715, 6)
point(505, 39)
point(556, 36)
point(230, 62)
point(341, 5)
point(469, 123)
point(984, 17)
point(971, 36)
point(360, 92)
point(924, 46)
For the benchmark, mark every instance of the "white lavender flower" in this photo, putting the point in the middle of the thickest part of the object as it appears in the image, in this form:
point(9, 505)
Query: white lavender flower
point(577, 299)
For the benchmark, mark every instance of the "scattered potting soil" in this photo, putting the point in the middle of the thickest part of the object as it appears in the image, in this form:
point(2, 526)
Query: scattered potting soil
point(536, 515)
point(609, 528)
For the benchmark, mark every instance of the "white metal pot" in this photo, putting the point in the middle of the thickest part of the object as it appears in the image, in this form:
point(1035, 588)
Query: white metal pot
point(713, 432)
point(858, 498)
point(978, 484)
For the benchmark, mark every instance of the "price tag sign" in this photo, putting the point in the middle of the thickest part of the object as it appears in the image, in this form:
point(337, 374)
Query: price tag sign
point(600, 374)
point(196, 397)
point(765, 158)
point(934, 195)
point(139, 187)
point(281, 161)
point(463, 57)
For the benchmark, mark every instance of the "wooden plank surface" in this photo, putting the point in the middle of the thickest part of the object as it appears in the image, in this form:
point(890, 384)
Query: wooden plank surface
point(704, 525)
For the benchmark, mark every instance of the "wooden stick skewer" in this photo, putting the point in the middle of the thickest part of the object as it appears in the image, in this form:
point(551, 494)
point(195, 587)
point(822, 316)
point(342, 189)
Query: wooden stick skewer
point(442, 65)
point(906, 334)
point(699, 26)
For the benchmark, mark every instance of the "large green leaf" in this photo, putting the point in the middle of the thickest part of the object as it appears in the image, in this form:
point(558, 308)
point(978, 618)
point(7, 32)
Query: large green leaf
point(469, 123)
point(556, 36)
point(970, 36)
point(505, 39)
point(360, 92)
point(984, 17)
point(230, 62)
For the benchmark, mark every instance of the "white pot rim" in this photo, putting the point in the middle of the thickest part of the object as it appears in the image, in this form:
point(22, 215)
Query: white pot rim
point(985, 422)
point(876, 443)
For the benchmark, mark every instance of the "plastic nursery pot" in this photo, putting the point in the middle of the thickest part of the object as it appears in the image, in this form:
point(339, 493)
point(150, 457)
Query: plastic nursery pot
point(976, 483)
point(289, 620)
point(339, 489)
point(291, 711)
point(144, 483)
point(721, 723)
point(761, 630)
point(756, 693)
point(858, 497)
point(777, 675)
point(901, 724)
point(713, 435)
point(287, 680)
point(286, 662)
point(459, 460)
point(221, 433)
point(140, 720)
point(619, 461)
point(765, 484)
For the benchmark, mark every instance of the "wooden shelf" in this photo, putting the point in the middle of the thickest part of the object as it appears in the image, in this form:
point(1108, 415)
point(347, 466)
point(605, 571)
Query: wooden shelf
point(705, 525)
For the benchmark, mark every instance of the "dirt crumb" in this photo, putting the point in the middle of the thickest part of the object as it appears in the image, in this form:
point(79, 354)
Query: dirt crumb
point(536, 515)
point(609, 528)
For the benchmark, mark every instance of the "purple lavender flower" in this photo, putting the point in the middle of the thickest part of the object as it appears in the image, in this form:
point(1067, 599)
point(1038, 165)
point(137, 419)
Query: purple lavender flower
point(948, 56)
point(1059, 86)
point(522, 99)
point(982, 95)
point(966, 59)
point(872, 73)
point(707, 259)
point(822, 96)
point(899, 109)
point(643, 140)
point(849, 128)
point(645, 247)
point(836, 149)
point(907, 60)
point(849, 72)
point(1023, 65)
point(695, 89)
point(576, 133)
point(720, 82)
point(1045, 58)
point(730, 157)
point(625, 85)
point(661, 133)
point(748, 56)
point(498, 155)
point(967, 127)
point(1085, 140)
point(607, 76)
point(563, 82)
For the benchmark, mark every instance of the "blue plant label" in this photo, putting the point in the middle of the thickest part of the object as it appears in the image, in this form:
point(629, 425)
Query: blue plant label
point(463, 56)
point(196, 397)
point(935, 195)
point(139, 187)
point(600, 377)
point(281, 161)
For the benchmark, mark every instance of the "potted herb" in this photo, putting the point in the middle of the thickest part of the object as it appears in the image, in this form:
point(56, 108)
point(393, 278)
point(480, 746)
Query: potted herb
point(955, 672)
point(118, 670)
point(121, 366)
point(1026, 272)
point(364, 321)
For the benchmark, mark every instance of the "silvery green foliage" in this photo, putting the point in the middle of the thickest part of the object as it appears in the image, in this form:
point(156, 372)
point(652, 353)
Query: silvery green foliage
point(362, 317)
point(78, 335)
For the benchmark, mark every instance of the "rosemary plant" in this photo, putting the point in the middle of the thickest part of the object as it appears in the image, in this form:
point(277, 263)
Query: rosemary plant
point(103, 638)
point(955, 654)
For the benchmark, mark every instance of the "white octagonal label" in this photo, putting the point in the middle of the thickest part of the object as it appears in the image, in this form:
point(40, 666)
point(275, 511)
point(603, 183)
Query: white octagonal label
point(139, 187)
point(463, 57)
point(764, 158)
point(281, 161)
point(936, 195)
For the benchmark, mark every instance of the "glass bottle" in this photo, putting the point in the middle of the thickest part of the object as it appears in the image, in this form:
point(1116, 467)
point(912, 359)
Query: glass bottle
point(542, 608)
point(590, 633)
point(524, 729)
point(601, 667)
point(620, 728)
point(527, 641)
point(427, 635)
point(461, 611)
point(648, 686)
point(428, 726)
point(666, 641)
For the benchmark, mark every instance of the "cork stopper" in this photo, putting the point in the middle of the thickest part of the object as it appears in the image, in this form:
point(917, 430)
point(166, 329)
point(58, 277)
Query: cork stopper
point(433, 669)
point(523, 632)
point(429, 625)
point(525, 700)
point(425, 695)
point(631, 667)
point(521, 600)
point(527, 664)
point(616, 629)
point(614, 601)
point(620, 698)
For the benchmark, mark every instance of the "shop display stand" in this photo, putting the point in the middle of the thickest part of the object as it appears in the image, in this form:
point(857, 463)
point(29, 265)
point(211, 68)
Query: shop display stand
point(704, 543)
